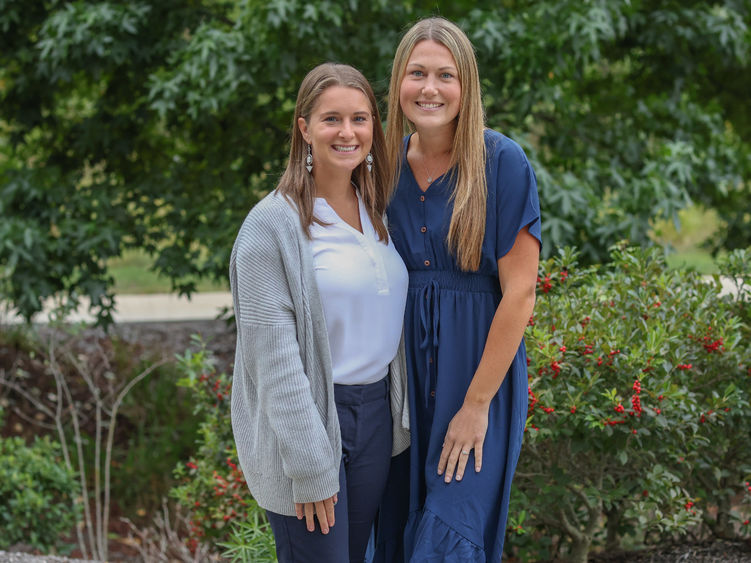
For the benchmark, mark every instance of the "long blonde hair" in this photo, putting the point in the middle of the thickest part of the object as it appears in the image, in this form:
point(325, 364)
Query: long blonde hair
point(467, 162)
point(298, 185)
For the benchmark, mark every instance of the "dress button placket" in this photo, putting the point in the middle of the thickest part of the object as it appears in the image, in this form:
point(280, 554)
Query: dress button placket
point(424, 229)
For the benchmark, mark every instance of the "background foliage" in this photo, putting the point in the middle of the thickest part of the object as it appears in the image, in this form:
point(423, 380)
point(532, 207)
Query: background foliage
point(36, 494)
point(157, 124)
point(638, 425)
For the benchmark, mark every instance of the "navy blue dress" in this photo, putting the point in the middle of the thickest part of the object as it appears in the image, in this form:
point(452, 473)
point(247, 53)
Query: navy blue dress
point(447, 320)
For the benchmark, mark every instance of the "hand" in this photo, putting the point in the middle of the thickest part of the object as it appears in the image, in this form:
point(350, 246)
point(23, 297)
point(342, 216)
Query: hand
point(466, 431)
point(323, 509)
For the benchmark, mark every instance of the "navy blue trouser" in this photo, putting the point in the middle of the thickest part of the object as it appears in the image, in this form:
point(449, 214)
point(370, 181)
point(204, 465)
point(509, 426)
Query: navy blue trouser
point(365, 420)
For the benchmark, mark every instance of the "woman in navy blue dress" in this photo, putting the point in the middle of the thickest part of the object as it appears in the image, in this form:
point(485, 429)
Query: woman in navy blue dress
point(465, 218)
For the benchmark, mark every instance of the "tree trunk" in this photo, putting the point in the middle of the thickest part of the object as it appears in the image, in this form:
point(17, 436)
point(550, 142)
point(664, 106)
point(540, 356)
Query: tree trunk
point(580, 550)
point(724, 527)
point(612, 541)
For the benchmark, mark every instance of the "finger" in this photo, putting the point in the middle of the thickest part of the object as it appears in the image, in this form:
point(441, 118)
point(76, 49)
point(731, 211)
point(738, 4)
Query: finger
point(336, 498)
point(323, 520)
point(309, 521)
point(451, 464)
point(462, 463)
point(299, 510)
point(444, 458)
point(478, 457)
point(329, 505)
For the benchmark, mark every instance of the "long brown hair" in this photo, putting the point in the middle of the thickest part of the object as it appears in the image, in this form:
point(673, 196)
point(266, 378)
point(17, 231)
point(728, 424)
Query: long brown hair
point(298, 185)
point(467, 162)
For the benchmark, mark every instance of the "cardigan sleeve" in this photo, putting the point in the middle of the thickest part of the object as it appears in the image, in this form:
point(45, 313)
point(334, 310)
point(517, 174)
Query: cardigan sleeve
point(267, 334)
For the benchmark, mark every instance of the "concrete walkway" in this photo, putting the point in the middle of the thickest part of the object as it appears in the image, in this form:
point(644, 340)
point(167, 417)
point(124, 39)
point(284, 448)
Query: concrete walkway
point(169, 307)
point(147, 308)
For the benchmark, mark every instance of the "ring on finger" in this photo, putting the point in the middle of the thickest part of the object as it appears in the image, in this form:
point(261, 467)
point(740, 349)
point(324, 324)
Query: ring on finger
point(465, 452)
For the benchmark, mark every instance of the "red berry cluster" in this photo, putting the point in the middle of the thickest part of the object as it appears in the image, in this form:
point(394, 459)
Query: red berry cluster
point(636, 408)
point(545, 283)
point(216, 387)
point(713, 345)
point(609, 361)
point(710, 343)
point(230, 487)
point(609, 422)
point(636, 399)
point(534, 402)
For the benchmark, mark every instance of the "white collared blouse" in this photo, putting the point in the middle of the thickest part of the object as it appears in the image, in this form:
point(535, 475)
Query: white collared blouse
point(363, 286)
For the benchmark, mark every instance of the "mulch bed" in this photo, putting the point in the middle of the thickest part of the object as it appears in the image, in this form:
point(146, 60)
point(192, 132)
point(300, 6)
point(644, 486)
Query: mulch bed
point(706, 552)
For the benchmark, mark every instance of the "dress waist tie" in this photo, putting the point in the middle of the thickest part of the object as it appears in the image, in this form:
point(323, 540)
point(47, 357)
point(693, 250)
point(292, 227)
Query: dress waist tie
point(429, 297)
point(429, 284)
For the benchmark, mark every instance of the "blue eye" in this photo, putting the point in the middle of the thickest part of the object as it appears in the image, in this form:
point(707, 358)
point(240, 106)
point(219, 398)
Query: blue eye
point(447, 75)
point(417, 73)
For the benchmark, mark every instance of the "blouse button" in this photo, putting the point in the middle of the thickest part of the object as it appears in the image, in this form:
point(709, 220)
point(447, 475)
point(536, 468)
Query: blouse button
point(432, 394)
point(427, 262)
point(423, 229)
point(422, 198)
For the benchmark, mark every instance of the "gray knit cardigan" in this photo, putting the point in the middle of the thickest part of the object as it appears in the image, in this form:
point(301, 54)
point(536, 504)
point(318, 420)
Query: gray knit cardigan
point(283, 413)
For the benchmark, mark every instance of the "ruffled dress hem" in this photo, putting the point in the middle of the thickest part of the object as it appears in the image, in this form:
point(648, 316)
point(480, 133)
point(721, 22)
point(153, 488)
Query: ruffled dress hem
point(436, 541)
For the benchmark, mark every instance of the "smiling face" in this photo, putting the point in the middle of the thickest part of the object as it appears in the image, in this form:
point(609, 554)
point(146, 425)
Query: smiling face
point(430, 91)
point(339, 130)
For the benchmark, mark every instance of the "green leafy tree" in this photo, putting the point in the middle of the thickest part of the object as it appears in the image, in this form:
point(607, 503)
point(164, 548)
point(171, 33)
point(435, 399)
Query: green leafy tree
point(158, 124)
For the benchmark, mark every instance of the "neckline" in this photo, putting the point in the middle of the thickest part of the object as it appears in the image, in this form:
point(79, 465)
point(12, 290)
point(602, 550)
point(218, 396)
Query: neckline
point(336, 220)
point(438, 179)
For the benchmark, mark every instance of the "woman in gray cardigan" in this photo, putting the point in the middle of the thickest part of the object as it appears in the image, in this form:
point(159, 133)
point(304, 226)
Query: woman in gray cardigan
point(318, 398)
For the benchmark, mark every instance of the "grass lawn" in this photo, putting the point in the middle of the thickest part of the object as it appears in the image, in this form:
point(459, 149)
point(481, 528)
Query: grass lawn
point(133, 275)
point(694, 259)
point(696, 226)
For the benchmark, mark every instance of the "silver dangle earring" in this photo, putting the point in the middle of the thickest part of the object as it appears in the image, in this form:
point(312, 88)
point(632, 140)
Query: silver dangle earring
point(369, 162)
point(309, 161)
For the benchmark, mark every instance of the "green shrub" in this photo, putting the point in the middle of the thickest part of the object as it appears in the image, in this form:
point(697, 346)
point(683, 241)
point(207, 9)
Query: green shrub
point(251, 539)
point(210, 484)
point(36, 494)
point(637, 375)
point(722, 472)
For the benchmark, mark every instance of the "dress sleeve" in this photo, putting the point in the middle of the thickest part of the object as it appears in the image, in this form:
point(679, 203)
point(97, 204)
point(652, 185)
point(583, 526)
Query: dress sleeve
point(517, 202)
point(271, 360)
